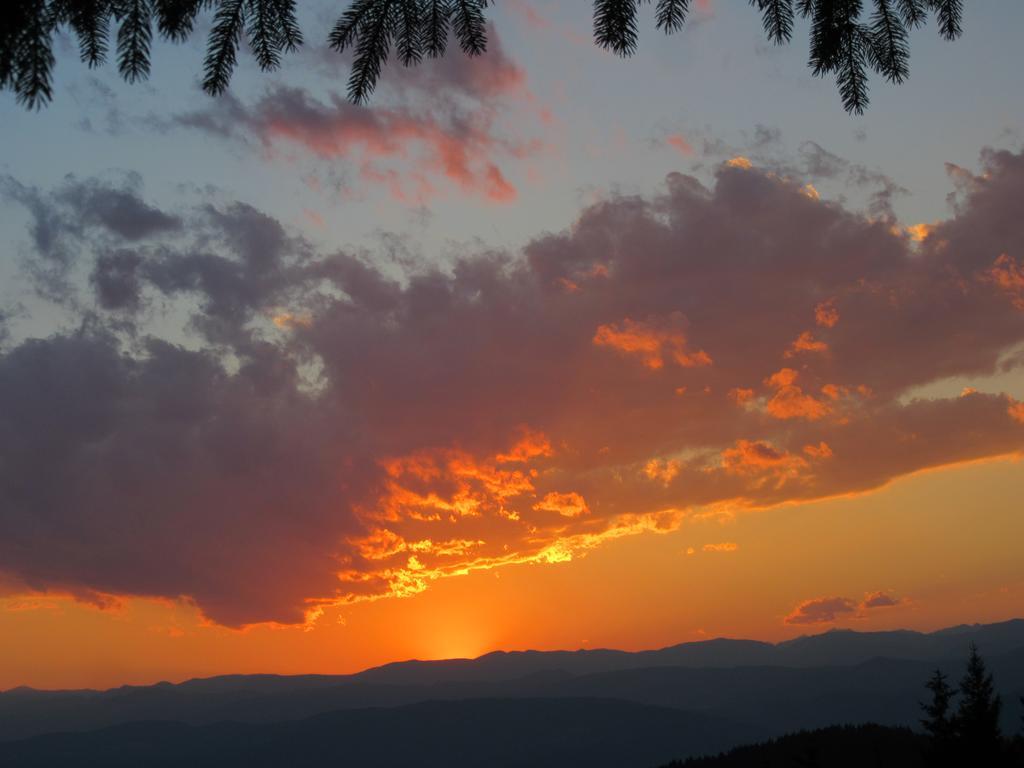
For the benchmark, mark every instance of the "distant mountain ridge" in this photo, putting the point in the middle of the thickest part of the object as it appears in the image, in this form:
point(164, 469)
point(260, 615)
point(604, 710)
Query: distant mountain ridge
point(833, 648)
point(809, 682)
point(838, 676)
point(836, 647)
point(517, 709)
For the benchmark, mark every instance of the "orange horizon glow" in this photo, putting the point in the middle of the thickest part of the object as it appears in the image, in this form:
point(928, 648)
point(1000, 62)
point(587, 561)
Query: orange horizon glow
point(470, 615)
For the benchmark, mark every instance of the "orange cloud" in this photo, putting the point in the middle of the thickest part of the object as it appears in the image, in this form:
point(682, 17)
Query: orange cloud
point(739, 162)
point(653, 341)
point(821, 610)
point(819, 451)
point(918, 232)
point(833, 391)
point(566, 504)
point(438, 122)
point(430, 486)
point(288, 320)
point(1008, 274)
point(462, 157)
point(678, 141)
point(805, 342)
point(1016, 411)
point(826, 314)
point(741, 395)
point(531, 445)
point(725, 546)
point(663, 471)
point(824, 610)
point(757, 457)
point(380, 544)
point(790, 401)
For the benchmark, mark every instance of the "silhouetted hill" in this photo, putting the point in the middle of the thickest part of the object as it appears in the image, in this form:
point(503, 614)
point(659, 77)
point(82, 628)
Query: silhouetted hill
point(781, 699)
point(707, 677)
point(492, 733)
point(836, 747)
point(832, 648)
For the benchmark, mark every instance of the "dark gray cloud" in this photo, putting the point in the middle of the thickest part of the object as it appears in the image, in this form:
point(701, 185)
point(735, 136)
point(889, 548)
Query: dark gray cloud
point(115, 277)
point(233, 258)
point(334, 432)
point(766, 136)
point(48, 223)
point(162, 475)
point(811, 162)
point(819, 163)
point(80, 214)
point(239, 262)
point(79, 205)
point(119, 210)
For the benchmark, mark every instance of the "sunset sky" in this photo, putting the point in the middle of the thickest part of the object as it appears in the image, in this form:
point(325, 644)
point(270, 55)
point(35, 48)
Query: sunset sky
point(544, 349)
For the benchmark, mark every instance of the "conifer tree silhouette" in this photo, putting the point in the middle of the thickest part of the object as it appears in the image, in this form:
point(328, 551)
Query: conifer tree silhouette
point(1018, 740)
point(846, 38)
point(977, 717)
point(939, 721)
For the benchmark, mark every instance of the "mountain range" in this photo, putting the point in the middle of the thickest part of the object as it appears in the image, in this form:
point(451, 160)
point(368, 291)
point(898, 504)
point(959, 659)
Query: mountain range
point(599, 705)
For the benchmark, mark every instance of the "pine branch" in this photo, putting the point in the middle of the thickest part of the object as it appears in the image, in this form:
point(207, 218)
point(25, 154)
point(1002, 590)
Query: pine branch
point(222, 46)
point(28, 55)
point(840, 43)
point(289, 31)
point(264, 32)
point(175, 18)
point(410, 44)
point(133, 39)
point(888, 52)
point(826, 38)
point(777, 18)
point(949, 13)
point(435, 28)
point(671, 14)
point(373, 45)
point(615, 25)
point(913, 12)
point(280, 29)
point(469, 25)
point(90, 21)
point(851, 76)
point(346, 29)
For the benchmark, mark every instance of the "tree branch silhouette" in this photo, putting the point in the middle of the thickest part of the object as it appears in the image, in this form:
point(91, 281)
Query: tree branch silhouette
point(848, 38)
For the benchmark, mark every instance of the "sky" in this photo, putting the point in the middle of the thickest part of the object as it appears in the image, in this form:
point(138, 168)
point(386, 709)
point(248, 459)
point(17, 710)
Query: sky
point(543, 349)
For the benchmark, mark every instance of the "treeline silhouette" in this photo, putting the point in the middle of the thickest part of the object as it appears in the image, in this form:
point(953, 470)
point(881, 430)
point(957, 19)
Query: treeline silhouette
point(961, 730)
point(970, 734)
